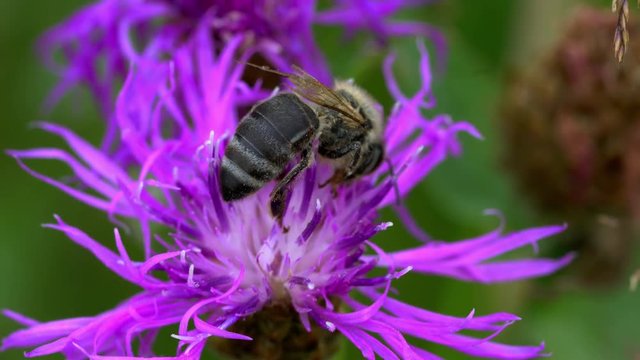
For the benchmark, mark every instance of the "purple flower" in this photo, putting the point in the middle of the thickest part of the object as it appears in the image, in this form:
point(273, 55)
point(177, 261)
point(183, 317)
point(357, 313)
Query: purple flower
point(224, 269)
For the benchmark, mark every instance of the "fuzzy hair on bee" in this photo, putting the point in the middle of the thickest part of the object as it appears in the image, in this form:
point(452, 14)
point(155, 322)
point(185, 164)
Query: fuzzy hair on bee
point(344, 119)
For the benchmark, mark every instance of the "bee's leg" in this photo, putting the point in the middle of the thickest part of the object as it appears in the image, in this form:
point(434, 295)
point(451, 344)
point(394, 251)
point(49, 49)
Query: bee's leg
point(334, 191)
point(355, 161)
point(342, 174)
point(280, 192)
point(336, 178)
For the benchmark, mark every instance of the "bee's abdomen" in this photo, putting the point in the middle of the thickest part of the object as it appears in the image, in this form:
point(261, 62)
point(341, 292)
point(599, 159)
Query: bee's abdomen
point(265, 141)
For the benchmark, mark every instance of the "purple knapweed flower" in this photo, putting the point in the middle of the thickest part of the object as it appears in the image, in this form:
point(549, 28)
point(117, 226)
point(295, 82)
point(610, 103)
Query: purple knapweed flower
point(227, 272)
point(98, 43)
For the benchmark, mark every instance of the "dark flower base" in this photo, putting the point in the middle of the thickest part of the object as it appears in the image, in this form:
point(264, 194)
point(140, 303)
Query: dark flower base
point(278, 334)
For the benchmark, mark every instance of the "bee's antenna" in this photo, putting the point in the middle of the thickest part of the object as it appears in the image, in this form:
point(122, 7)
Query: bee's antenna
point(265, 68)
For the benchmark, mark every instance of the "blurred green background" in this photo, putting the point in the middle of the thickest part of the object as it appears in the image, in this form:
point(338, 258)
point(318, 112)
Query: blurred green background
point(47, 277)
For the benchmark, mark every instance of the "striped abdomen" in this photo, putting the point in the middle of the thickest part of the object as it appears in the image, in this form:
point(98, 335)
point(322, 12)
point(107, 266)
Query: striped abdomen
point(265, 141)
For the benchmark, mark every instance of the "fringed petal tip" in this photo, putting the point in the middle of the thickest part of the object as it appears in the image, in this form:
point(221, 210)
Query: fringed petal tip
point(19, 318)
point(468, 128)
point(400, 320)
point(474, 259)
point(541, 353)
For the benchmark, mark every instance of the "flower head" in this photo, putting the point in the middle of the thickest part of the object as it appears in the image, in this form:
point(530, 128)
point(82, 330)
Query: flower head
point(577, 108)
point(226, 270)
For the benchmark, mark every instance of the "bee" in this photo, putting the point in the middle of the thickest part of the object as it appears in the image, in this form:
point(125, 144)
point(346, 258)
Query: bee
point(344, 120)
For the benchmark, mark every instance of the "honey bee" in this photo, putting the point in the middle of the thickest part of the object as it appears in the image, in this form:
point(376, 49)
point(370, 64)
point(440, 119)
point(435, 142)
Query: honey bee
point(344, 119)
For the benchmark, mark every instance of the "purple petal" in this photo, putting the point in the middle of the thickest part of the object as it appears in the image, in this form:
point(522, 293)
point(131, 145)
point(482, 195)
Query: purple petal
point(19, 318)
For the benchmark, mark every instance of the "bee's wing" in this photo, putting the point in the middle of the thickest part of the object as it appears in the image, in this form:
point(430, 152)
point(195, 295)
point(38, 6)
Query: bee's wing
point(313, 90)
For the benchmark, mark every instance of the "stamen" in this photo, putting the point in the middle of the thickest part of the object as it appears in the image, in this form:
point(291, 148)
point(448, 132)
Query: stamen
point(330, 326)
point(139, 188)
point(384, 226)
point(210, 141)
point(183, 337)
point(400, 273)
point(190, 281)
point(172, 75)
point(161, 185)
point(175, 172)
